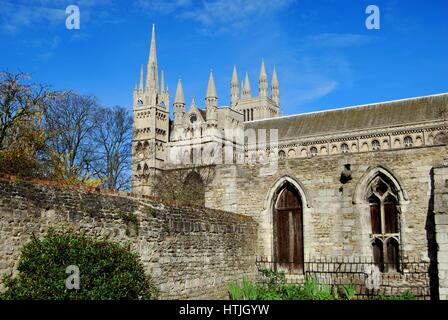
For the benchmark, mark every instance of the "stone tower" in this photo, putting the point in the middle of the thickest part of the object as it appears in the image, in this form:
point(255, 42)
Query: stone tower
point(258, 107)
point(151, 124)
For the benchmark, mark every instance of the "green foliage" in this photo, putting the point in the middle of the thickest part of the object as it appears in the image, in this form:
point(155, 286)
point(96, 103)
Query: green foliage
point(249, 290)
point(108, 271)
point(235, 291)
point(129, 218)
point(151, 211)
point(314, 291)
point(274, 279)
point(274, 287)
point(407, 295)
point(349, 291)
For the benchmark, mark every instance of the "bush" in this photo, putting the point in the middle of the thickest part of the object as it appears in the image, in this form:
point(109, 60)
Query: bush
point(407, 295)
point(108, 271)
point(274, 287)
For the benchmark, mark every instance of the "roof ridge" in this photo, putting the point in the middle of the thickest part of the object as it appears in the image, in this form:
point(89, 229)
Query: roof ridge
point(353, 107)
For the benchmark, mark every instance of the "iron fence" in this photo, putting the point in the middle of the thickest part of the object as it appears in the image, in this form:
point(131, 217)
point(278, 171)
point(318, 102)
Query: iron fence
point(369, 279)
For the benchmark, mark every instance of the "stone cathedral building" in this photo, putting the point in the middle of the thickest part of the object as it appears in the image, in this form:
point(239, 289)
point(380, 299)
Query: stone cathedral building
point(365, 181)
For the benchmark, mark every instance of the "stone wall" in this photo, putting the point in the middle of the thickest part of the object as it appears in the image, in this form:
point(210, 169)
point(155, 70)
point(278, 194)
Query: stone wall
point(190, 253)
point(441, 226)
point(336, 215)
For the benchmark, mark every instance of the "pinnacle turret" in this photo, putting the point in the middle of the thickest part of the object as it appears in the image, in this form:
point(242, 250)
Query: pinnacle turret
point(211, 89)
point(234, 88)
point(179, 99)
point(275, 92)
point(263, 81)
point(246, 88)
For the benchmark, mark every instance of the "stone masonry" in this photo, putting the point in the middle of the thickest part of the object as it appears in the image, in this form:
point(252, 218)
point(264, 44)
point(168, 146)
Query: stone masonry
point(441, 220)
point(191, 253)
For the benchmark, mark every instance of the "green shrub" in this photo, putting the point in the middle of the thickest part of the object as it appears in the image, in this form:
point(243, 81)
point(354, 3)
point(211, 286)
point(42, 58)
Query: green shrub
point(235, 291)
point(349, 291)
point(249, 290)
point(407, 295)
point(108, 271)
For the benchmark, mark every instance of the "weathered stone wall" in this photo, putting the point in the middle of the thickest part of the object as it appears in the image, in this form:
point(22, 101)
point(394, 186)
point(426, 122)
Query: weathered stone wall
point(190, 252)
point(441, 226)
point(336, 215)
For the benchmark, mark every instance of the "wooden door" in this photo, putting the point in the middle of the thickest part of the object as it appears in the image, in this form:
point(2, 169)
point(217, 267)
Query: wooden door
point(288, 230)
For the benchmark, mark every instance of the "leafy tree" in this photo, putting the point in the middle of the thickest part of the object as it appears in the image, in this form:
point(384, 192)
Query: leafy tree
point(22, 141)
point(107, 270)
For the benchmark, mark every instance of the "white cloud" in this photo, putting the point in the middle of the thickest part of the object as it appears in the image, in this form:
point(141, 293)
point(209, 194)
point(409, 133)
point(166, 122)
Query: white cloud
point(162, 6)
point(17, 16)
point(27, 14)
point(338, 40)
point(221, 15)
point(318, 91)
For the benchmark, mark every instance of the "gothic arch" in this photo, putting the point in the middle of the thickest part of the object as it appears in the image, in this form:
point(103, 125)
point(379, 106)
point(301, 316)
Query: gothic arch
point(362, 204)
point(362, 187)
point(266, 230)
point(278, 185)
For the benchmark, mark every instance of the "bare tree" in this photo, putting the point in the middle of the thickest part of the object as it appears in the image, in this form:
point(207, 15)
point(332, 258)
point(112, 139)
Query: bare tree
point(186, 185)
point(112, 138)
point(69, 127)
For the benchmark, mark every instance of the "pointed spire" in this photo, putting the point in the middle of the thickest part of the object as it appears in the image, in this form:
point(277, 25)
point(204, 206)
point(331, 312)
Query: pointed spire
point(152, 82)
point(234, 76)
point(141, 78)
point(263, 75)
point(275, 92)
point(179, 99)
point(162, 81)
point(211, 89)
point(152, 50)
point(234, 88)
point(263, 81)
point(274, 78)
point(246, 87)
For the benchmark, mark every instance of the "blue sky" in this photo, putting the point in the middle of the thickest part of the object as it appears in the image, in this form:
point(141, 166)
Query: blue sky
point(325, 56)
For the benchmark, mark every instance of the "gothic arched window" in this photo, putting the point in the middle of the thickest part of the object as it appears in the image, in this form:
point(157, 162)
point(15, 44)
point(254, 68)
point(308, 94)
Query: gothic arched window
point(408, 142)
point(376, 145)
point(384, 224)
point(344, 148)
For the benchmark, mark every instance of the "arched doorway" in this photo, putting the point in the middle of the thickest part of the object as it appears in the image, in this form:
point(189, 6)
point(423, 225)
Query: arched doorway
point(288, 230)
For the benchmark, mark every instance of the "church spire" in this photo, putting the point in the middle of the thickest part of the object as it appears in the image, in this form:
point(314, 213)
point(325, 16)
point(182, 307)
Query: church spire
point(263, 81)
point(179, 105)
point(211, 102)
point(179, 99)
point(275, 92)
point(162, 81)
point(234, 88)
point(141, 79)
point(152, 82)
point(211, 89)
point(246, 88)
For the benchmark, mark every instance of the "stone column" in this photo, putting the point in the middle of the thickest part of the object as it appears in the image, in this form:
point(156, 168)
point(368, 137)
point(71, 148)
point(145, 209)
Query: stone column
point(441, 222)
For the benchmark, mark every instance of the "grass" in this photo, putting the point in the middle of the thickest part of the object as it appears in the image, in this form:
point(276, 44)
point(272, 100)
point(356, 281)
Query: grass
point(275, 288)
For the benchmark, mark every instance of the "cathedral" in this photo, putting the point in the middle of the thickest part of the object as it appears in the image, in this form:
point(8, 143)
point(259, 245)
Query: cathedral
point(355, 182)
